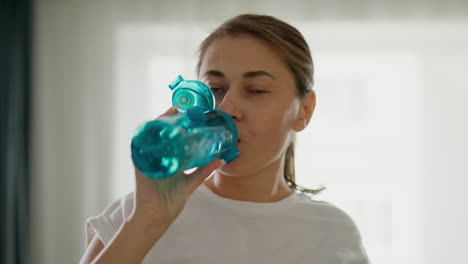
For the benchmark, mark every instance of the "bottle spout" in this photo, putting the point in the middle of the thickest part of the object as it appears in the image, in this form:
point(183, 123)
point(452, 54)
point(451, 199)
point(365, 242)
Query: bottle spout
point(176, 82)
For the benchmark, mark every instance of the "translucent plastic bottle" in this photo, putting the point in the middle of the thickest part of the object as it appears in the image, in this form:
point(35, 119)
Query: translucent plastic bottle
point(192, 138)
point(170, 144)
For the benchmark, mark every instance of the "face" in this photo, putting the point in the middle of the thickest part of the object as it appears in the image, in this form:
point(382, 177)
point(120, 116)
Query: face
point(253, 85)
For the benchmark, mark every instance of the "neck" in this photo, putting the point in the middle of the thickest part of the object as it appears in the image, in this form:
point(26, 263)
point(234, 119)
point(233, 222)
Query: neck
point(267, 185)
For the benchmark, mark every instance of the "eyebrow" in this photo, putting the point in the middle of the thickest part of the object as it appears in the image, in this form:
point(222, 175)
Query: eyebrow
point(250, 74)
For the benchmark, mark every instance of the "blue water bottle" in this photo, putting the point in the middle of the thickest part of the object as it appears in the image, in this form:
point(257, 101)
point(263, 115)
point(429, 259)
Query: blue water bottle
point(192, 138)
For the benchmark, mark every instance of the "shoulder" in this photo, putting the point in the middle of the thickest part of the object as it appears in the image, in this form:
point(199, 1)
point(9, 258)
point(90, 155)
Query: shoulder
point(336, 228)
point(306, 201)
point(326, 213)
point(107, 223)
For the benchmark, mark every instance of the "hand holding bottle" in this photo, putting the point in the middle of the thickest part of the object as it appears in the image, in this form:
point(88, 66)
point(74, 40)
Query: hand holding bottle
point(161, 150)
point(157, 203)
point(196, 135)
point(160, 201)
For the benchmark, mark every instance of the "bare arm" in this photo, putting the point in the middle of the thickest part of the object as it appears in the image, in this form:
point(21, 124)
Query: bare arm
point(95, 246)
point(130, 244)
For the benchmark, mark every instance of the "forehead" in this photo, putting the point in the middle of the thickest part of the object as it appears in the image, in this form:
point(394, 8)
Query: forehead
point(237, 54)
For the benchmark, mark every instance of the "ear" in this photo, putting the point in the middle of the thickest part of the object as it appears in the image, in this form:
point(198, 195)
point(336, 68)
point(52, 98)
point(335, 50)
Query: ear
point(306, 109)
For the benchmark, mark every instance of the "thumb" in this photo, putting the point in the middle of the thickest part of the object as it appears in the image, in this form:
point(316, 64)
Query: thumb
point(198, 176)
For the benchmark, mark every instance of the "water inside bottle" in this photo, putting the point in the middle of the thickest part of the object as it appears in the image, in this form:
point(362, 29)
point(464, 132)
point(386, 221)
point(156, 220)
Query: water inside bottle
point(205, 142)
point(158, 156)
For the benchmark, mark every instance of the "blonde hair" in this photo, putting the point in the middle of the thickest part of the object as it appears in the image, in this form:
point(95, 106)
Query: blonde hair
point(296, 54)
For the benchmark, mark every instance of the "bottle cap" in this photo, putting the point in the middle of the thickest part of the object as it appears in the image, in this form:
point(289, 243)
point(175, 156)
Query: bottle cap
point(188, 94)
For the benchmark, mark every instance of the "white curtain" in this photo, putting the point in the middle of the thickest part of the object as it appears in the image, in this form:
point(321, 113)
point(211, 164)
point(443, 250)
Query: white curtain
point(388, 137)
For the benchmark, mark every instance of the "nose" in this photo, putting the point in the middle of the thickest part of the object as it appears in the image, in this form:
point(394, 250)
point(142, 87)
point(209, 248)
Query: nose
point(230, 104)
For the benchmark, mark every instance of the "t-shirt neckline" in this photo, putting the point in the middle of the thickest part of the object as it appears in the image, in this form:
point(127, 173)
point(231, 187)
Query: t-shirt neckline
point(247, 205)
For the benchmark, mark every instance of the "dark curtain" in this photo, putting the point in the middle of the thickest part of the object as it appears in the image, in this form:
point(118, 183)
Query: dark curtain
point(15, 93)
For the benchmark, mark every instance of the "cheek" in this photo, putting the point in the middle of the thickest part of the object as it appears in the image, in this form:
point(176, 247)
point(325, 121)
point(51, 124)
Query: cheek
point(279, 121)
point(267, 134)
point(269, 130)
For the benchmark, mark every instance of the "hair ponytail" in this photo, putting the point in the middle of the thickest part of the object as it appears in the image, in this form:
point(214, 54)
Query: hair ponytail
point(289, 171)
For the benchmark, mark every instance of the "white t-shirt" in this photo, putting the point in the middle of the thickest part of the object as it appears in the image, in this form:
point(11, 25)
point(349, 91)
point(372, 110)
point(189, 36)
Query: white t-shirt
point(213, 229)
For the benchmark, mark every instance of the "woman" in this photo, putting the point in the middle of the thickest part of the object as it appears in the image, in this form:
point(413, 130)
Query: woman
point(250, 211)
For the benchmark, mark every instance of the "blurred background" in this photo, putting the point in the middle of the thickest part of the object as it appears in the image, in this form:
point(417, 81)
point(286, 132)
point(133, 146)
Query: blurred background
point(388, 137)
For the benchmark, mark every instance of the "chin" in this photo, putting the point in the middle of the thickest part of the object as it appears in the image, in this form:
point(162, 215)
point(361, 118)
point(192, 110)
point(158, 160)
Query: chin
point(242, 166)
point(230, 169)
point(235, 168)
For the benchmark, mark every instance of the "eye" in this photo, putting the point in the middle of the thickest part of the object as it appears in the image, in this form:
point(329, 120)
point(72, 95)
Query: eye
point(217, 90)
point(257, 91)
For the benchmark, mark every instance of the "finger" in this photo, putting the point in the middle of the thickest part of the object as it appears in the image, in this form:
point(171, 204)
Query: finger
point(172, 111)
point(199, 176)
point(140, 178)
